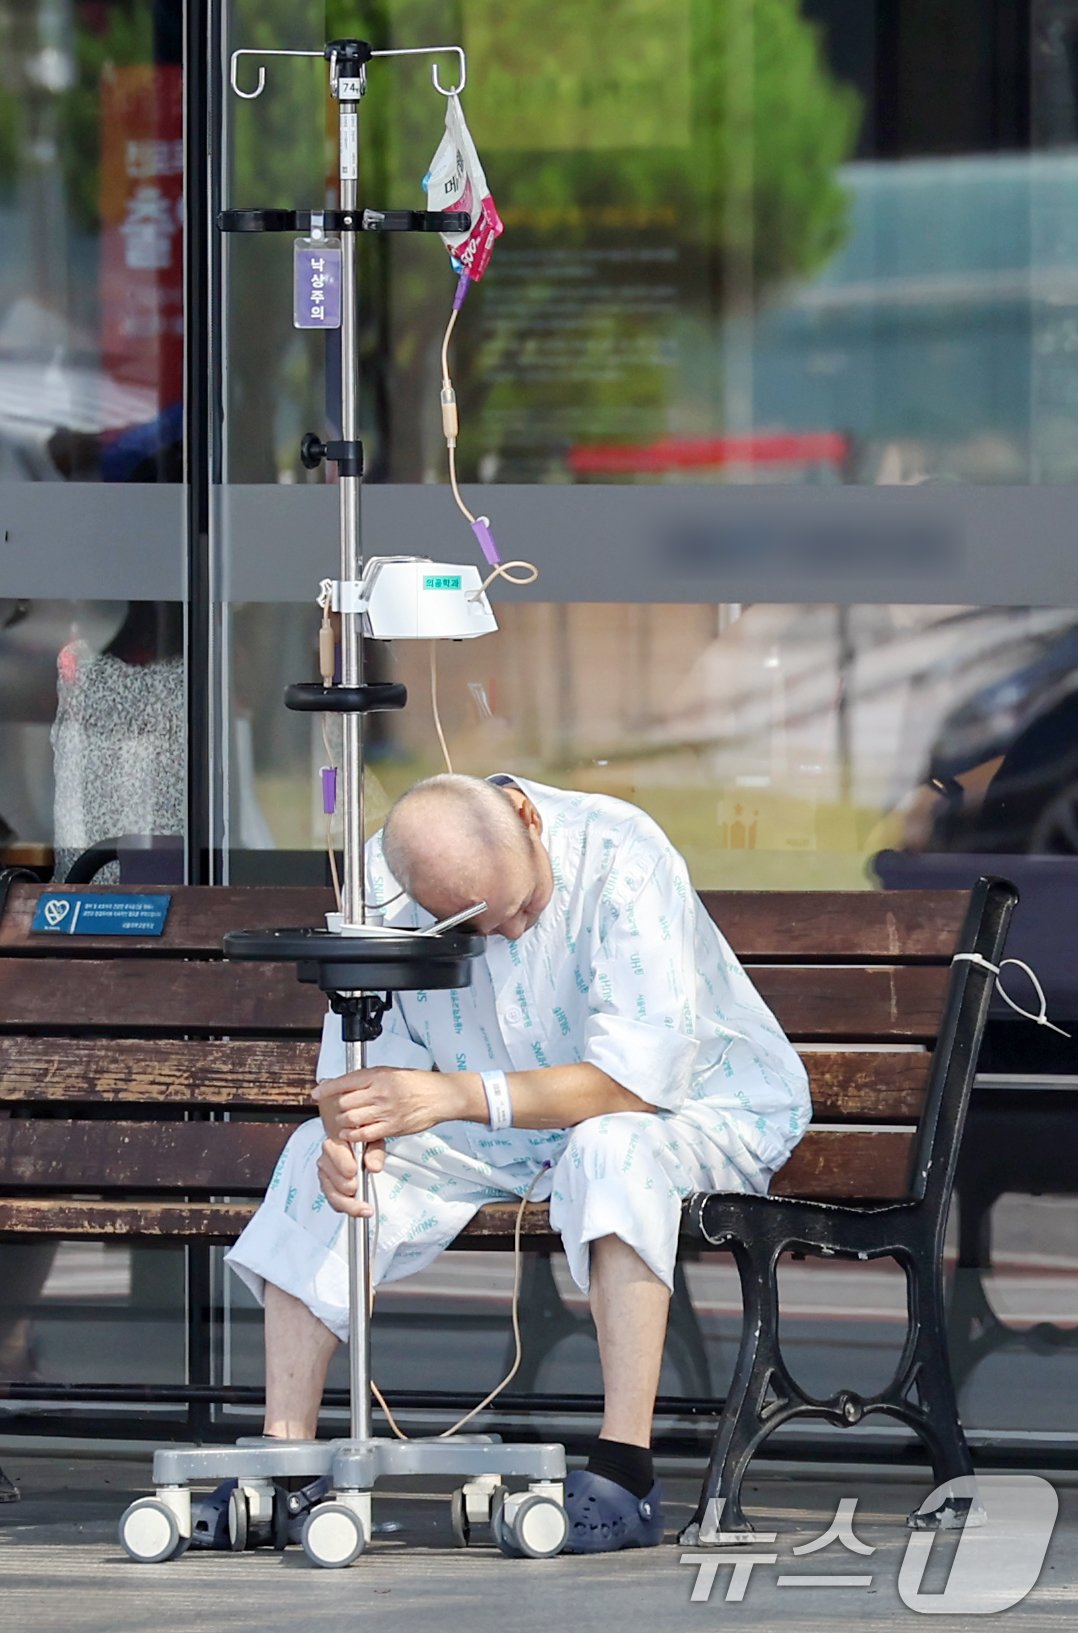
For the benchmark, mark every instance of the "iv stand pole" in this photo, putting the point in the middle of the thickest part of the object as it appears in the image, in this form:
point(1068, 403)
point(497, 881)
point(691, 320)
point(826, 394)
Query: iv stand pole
point(348, 83)
point(335, 1532)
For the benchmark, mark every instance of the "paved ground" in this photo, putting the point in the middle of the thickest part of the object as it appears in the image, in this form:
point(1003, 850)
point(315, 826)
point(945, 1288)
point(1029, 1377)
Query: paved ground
point(62, 1571)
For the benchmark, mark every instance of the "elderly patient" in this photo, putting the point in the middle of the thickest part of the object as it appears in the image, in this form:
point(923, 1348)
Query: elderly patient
point(640, 1065)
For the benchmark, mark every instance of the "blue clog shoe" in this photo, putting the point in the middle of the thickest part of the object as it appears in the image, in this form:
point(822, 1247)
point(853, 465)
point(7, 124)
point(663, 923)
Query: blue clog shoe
point(209, 1518)
point(604, 1516)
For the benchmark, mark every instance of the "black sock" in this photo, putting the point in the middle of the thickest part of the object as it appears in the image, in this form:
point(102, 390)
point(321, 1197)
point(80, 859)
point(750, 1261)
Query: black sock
point(629, 1466)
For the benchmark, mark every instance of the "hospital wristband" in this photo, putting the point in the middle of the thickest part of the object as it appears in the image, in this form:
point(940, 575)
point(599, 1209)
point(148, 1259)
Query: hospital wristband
point(499, 1105)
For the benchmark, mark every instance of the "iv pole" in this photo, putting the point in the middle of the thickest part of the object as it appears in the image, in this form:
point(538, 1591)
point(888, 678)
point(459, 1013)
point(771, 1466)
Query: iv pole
point(348, 83)
point(354, 965)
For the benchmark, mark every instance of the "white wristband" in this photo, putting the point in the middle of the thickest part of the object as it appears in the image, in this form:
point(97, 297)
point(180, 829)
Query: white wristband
point(499, 1105)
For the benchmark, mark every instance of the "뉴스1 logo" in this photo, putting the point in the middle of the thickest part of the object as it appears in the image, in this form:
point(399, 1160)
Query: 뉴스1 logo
point(996, 1564)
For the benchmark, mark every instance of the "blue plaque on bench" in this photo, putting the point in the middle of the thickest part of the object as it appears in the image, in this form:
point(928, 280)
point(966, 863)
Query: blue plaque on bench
point(64, 913)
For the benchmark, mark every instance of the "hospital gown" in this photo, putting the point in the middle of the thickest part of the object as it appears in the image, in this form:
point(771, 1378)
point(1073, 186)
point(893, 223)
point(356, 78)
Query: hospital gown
point(624, 969)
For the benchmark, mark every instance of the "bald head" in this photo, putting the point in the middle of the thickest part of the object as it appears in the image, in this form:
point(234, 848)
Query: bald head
point(453, 841)
point(449, 826)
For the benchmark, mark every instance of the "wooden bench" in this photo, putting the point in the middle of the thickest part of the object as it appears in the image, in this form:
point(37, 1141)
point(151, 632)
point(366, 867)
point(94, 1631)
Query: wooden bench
point(118, 1057)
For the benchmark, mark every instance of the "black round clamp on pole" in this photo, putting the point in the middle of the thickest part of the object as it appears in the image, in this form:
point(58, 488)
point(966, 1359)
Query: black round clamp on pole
point(348, 456)
point(352, 56)
point(373, 697)
point(361, 1014)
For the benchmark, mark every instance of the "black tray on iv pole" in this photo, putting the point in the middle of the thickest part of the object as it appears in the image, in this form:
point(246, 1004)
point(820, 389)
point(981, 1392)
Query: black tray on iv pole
point(367, 958)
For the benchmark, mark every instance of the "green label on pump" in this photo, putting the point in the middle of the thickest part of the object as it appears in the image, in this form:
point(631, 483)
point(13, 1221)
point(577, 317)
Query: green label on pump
point(442, 581)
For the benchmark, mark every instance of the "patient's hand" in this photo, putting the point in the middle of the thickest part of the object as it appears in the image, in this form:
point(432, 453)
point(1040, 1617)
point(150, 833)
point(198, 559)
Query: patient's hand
point(378, 1102)
point(338, 1171)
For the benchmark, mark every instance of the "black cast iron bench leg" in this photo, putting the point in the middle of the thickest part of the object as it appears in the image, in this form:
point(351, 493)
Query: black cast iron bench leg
point(757, 1400)
point(763, 1395)
point(925, 1370)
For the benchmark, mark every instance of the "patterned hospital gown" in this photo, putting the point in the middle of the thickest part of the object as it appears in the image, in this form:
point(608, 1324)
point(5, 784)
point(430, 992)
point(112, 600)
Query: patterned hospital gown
point(624, 969)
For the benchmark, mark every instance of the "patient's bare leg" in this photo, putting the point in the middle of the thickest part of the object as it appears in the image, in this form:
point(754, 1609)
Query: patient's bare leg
point(299, 1349)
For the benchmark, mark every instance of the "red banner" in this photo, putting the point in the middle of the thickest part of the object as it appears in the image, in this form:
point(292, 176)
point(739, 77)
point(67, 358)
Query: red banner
point(142, 228)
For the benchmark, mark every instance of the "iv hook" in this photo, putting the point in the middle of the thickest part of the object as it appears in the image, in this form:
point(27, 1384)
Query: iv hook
point(248, 51)
point(422, 51)
point(454, 90)
point(433, 51)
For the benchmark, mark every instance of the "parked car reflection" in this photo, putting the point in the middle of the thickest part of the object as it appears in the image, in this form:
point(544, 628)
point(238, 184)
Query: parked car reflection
point(1005, 760)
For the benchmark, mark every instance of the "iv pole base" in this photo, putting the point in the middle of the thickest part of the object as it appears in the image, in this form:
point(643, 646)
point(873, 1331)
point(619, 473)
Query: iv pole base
point(348, 1470)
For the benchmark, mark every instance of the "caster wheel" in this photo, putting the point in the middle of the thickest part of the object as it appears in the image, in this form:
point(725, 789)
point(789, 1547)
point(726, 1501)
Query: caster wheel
point(458, 1518)
point(500, 1530)
point(238, 1520)
point(333, 1536)
point(538, 1526)
point(528, 1525)
point(149, 1533)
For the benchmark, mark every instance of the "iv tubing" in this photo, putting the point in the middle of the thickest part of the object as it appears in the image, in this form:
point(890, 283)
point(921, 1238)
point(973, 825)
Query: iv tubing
point(434, 705)
point(451, 429)
point(518, 1263)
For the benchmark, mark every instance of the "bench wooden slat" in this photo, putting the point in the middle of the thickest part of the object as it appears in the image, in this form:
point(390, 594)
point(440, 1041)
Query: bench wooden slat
point(103, 1071)
point(156, 997)
point(213, 1221)
point(824, 1003)
point(859, 1085)
point(830, 1004)
point(840, 1164)
point(237, 1158)
point(202, 1222)
point(867, 1085)
point(223, 1221)
point(492, 1226)
point(182, 1222)
point(231, 1158)
point(887, 927)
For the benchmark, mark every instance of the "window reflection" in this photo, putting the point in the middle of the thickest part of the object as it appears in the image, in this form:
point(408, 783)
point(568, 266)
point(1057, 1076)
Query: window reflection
point(761, 244)
point(779, 745)
point(91, 258)
point(92, 736)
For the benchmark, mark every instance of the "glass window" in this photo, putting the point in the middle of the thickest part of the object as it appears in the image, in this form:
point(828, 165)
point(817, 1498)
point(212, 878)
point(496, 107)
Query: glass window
point(91, 270)
point(93, 729)
point(747, 247)
point(92, 696)
point(779, 745)
point(754, 244)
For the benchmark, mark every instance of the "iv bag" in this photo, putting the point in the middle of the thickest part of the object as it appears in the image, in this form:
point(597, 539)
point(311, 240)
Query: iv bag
point(455, 181)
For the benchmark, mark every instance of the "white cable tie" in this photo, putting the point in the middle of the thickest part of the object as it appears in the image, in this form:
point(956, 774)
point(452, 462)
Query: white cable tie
point(499, 1103)
point(325, 594)
point(1042, 1017)
point(347, 596)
